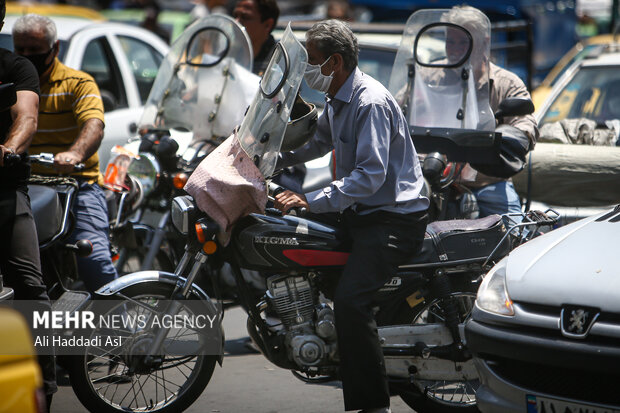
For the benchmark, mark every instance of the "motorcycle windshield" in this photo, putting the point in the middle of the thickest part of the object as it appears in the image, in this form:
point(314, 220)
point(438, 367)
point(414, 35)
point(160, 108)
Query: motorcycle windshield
point(440, 75)
point(205, 82)
point(262, 130)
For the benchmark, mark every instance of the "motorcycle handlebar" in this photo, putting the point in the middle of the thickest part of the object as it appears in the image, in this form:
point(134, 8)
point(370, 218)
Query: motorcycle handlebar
point(47, 159)
point(274, 189)
point(11, 159)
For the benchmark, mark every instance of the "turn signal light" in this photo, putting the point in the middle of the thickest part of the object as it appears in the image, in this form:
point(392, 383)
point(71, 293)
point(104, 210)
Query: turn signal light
point(179, 180)
point(200, 232)
point(209, 247)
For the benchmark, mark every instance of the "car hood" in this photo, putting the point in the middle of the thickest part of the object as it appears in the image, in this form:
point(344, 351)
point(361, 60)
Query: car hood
point(576, 264)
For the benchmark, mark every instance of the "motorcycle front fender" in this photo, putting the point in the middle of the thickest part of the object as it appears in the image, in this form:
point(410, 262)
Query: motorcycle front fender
point(143, 277)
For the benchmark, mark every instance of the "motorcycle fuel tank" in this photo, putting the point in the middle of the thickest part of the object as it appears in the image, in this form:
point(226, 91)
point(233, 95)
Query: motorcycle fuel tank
point(274, 243)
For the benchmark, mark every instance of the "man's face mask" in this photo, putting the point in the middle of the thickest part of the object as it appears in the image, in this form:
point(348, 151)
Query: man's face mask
point(316, 79)
point(39, 61)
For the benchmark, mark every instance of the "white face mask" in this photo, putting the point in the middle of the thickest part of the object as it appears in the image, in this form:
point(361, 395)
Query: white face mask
point(316, 79)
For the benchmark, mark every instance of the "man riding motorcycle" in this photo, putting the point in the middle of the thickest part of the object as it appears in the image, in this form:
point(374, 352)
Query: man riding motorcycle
point(475, 86)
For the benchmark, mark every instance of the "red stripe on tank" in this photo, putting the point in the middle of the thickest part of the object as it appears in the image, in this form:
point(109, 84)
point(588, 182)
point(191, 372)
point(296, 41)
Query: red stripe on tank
point(314, 258)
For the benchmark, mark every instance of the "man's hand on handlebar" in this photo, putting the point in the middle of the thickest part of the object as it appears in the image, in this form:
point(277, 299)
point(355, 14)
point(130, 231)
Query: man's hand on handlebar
point(4, 151)
point(65, 162)
point(286, 200)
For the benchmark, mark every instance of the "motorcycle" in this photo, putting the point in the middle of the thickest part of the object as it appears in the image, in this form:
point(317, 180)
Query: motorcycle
point(207, 71)
point(444, 91)
point(420, 312)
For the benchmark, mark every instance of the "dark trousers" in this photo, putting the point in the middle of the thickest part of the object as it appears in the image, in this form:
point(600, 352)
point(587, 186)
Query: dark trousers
point(380, 242)
point(20, 263)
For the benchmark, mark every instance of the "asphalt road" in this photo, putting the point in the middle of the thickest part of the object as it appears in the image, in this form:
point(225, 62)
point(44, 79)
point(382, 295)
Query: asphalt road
point(247, 382)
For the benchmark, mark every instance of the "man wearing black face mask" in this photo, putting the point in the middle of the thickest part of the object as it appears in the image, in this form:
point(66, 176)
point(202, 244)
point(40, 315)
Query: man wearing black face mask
point(71, 127)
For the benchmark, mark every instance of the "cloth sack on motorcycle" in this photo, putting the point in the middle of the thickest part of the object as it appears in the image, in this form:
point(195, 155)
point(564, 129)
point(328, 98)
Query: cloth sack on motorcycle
point(227, 186)
point(513, 154)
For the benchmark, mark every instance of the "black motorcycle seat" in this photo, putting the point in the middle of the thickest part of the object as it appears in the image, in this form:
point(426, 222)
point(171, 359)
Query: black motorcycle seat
point(46, 210)
point(460, 240)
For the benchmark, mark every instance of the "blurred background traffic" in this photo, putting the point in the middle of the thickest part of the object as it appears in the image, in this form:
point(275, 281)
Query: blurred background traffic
point(565, 51)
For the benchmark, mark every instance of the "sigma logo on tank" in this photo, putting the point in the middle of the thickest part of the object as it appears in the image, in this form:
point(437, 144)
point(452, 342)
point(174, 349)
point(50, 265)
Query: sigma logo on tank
point(275, 240)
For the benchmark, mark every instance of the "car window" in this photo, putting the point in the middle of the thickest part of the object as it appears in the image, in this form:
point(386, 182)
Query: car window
point(144, 61)
point(592, 93)
point(100, 63)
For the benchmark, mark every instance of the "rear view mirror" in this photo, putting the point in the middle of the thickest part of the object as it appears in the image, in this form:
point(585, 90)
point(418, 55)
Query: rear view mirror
point(515, 107)
point(8, 96)
point(442, 45)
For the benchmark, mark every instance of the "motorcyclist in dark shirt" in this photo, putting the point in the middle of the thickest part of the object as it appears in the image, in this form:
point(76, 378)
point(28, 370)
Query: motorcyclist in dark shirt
point(19, 247)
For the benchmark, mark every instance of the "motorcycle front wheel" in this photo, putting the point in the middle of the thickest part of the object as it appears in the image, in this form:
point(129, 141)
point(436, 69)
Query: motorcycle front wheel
point(105, 383)
point(444, 396)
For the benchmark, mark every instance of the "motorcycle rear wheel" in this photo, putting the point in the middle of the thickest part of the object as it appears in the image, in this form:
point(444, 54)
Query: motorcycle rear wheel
point(99, 394)
point(444, 396)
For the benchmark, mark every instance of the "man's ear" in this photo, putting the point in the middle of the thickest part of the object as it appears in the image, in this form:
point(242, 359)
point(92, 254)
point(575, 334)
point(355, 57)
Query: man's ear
point(338, 61)
point(270, 23)
point(56, 48)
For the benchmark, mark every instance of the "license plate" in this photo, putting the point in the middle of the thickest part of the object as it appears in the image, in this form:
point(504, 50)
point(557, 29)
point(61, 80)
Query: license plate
point(537, 404)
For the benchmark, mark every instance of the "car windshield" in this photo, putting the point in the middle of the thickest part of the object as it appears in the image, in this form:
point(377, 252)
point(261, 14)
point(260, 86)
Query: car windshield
point(592, 93)
point(6, 42)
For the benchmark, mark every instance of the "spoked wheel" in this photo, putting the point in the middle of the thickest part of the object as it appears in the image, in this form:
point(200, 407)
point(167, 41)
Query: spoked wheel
point(127, 380)
point(445, 395)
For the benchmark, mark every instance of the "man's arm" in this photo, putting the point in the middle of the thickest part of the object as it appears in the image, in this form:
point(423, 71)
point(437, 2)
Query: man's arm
point(25, 113)
point(510, 85)
point(84, 147)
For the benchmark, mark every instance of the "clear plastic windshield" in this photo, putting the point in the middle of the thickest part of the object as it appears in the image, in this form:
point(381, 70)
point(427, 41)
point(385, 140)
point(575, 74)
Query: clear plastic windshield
point(206, 81)
point(440, 74)
point(262, 130)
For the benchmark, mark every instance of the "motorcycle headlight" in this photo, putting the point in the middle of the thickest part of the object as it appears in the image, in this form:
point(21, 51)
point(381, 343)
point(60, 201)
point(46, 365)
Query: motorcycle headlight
point(492, 295)
point(182, 213)
point(146, 170)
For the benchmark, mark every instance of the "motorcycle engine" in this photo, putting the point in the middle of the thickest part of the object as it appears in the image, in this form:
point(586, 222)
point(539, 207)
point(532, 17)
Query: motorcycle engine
point(309, 326)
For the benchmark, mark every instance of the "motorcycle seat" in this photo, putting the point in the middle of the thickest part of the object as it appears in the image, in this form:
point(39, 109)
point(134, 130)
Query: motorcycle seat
point(460, 240)
point(46, 210)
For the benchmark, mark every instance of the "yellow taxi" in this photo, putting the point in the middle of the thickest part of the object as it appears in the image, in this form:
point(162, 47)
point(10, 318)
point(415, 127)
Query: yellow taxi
point(578, 52)
point(64, 10)
point(21, 383)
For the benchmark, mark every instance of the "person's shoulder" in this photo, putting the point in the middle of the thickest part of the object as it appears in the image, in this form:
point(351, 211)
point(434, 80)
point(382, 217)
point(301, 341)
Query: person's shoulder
point(371, 91)
point(499, 73)
point(64, 73)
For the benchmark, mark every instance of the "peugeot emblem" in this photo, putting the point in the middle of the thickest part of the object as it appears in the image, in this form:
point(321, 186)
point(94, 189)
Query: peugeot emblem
point(576, 321)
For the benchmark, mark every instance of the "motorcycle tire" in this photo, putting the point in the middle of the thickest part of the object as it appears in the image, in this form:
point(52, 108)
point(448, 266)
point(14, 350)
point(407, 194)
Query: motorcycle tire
point(426, 397)
point(188, 392)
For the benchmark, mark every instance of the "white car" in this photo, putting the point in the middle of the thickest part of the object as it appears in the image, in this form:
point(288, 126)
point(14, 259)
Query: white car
point(123, 60)
point(545, 329)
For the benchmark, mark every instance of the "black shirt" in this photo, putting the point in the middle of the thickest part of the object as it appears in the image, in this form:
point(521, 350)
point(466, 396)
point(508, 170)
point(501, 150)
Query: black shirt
point(18, 70)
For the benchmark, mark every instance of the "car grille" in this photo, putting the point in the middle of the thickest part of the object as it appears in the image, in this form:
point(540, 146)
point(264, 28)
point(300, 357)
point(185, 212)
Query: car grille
point(597, 336)
point(560, 382)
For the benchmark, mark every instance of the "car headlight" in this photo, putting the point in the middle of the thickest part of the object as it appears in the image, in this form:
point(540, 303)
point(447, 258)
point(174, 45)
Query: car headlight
point(492, 295)
point(182, 213)
point(146, 170)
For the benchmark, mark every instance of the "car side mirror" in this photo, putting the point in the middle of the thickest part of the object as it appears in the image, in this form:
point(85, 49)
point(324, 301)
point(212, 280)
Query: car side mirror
point(8, 96)
point(514, 107)
point(109, 101)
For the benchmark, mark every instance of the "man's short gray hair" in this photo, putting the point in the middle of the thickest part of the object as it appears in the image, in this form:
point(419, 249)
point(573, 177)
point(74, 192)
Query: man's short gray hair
point(33, 22)
point(473, 20)
point(334, 36)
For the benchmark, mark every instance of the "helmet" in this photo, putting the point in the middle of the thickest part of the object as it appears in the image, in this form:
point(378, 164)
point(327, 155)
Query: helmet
point(302, 125)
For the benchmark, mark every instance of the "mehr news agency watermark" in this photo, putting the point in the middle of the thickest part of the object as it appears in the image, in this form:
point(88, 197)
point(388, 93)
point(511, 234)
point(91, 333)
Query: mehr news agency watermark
point(187, 327)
